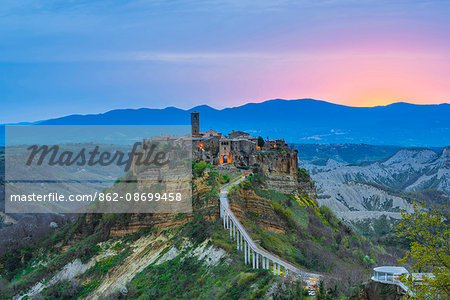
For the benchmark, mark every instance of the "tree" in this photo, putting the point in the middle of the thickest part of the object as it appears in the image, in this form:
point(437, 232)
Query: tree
point(225, 178)
point(427, 230)
point(260, 141)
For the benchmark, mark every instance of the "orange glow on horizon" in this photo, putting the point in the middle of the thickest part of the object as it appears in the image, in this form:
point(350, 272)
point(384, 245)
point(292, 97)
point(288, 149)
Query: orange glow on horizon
point(354, 77)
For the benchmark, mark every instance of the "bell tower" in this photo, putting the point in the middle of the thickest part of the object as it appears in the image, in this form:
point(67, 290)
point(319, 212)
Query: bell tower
point(195, 124)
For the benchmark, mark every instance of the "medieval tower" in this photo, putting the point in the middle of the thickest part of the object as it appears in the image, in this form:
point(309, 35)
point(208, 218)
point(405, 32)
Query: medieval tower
point(195, 124)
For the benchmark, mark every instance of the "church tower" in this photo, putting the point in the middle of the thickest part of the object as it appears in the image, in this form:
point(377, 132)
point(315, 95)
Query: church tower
point(195, 124)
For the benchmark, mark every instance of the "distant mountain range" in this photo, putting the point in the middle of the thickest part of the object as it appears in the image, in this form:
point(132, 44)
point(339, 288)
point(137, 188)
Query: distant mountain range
point(300, 121)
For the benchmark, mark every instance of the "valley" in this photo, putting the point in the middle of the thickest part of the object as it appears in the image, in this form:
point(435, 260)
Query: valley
point(367, 190)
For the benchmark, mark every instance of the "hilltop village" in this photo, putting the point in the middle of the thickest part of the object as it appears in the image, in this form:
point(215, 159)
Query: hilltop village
point(273, 158)
point(238, 148)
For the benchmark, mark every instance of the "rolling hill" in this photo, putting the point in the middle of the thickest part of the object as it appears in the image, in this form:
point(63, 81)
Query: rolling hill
point(382, 187)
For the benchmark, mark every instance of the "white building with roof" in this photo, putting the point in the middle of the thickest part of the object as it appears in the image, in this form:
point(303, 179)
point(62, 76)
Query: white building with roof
point(391, 275)
point(388, 274)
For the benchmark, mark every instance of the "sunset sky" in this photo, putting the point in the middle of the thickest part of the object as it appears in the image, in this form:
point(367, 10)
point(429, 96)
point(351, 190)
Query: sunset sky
point(65, 57)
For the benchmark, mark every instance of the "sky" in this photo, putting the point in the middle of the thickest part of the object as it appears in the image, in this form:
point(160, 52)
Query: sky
point(90, 56)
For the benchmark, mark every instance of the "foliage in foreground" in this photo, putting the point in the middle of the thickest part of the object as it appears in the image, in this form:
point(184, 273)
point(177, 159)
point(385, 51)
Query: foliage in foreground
point(429, 234)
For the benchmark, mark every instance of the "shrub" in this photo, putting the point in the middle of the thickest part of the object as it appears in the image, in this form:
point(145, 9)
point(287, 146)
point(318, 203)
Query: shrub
point(224, 178)
point(198, 168)
point(62, 290)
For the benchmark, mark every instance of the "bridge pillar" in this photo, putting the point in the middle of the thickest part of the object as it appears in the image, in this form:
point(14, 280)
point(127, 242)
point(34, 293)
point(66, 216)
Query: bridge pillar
point(231, 229)
point(242, 238)
point(248, 255)
point(234, 231)
point(223, 218)
point(245, 253)
point(274, 268)
point(278, 269)
point(237, 240)
point(257, 260)
point(253, 259)
point(228, 221)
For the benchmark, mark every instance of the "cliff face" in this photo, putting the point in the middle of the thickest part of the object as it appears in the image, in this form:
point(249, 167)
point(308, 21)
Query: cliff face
point(202, 199)
point(125, 224)
point(279, 171)
point(246, 201)
point(176, 180)
point(204, 196)
point(306, 186)
point(138, 221)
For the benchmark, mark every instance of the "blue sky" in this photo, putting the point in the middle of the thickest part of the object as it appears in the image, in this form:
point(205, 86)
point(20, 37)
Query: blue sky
point(64, 57)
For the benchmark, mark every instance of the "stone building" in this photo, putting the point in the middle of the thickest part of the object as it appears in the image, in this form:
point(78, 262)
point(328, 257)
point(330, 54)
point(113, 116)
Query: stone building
point(210, 133)
point(271, 144)
point(211, 146)
point(225, 151)
point(241, 151)
point(238, 133)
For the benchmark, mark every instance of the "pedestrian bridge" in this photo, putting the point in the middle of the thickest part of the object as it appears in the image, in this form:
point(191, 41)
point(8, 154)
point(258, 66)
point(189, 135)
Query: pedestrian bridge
point(253, 254)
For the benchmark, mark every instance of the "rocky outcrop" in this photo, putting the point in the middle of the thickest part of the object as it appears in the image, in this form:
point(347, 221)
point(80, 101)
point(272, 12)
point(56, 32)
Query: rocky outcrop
point(279, 170)
point(203, 197)
point(176, 180)
point(138, 221)
point(246, 201)
point(125, 224)
point(306, 187)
